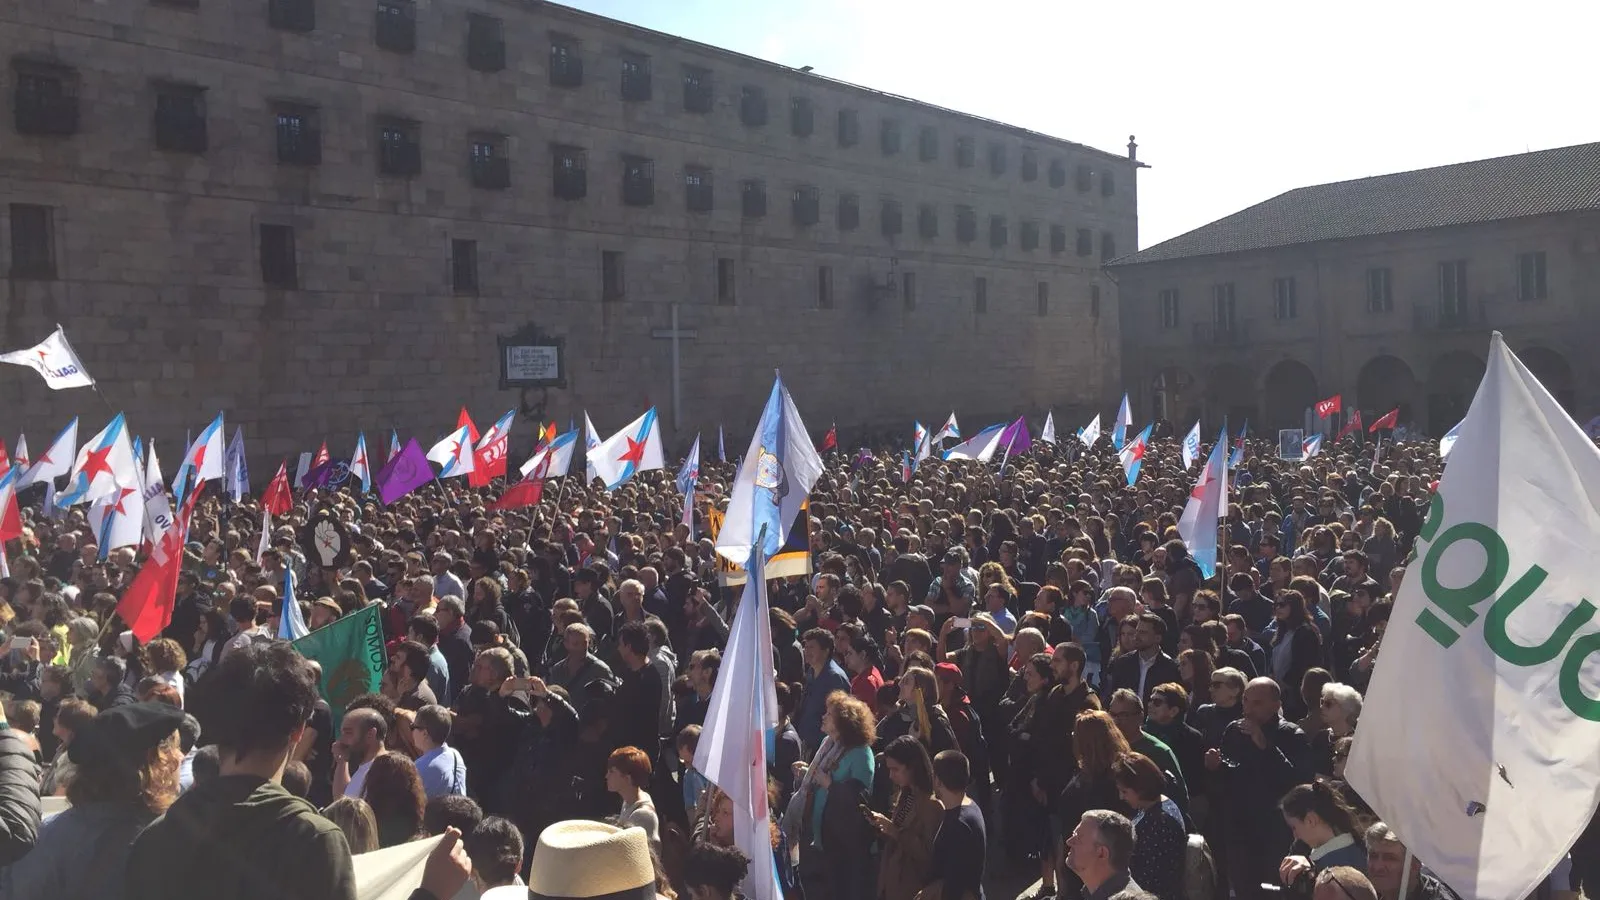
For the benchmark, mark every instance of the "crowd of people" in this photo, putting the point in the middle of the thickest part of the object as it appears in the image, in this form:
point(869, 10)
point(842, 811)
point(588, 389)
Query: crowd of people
point(987, 673)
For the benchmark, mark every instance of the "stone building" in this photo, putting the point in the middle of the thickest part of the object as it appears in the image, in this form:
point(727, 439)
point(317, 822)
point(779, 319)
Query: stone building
point(1383, 290)
point(320, 216)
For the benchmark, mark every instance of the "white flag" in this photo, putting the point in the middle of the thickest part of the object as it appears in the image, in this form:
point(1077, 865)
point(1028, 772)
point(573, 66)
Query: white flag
point(636, 448)
point(980, 446)
point(157, 509)
point(454, 453)
point(591, 440)
point(1478, 741)
point(1191, 446)
point(1048, 435)
point(559, 450)
point(1090, 432)
point(54, 359)
point(56, 460)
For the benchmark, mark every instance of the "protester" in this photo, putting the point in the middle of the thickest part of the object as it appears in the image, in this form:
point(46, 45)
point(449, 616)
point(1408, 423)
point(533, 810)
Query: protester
point(1099, 851)
point(627, 775)
point(911, 827)
point(1160, 837)
point(394, 791)
point(355, 818)
point(1326, 825)
point(961, 846)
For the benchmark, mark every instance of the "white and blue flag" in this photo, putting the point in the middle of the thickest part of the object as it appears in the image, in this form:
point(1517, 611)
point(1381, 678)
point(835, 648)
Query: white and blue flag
point(774, 480)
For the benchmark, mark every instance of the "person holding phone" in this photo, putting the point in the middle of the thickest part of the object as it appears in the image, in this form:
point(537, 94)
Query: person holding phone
point(906, 861)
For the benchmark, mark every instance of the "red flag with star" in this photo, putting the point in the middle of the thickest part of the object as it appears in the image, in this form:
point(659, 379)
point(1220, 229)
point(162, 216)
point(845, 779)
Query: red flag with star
point(464, 420)
point(1354, 425)
point(830, 441)
point(277, 499)
point(1389, 420)
point(526, 492)
point(148, 602)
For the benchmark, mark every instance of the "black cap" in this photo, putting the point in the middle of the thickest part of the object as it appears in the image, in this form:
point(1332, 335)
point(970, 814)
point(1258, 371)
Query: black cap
point(954, 557)
point(124, 735)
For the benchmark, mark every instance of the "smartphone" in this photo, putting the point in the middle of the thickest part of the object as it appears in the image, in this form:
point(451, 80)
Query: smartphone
point(20, 647)
point(963, 623)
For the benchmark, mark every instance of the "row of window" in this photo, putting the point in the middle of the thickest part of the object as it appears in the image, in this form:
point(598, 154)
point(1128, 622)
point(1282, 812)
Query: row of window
point(33, 256)
point(48, 94)
point(1453, 299)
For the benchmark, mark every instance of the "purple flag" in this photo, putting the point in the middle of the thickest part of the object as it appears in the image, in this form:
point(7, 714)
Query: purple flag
point(1015, 438)
point(405, 472)
point(317, 476)
point(862, 458)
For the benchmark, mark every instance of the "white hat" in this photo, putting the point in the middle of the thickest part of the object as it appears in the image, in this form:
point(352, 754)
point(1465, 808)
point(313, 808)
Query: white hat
point(579, 860)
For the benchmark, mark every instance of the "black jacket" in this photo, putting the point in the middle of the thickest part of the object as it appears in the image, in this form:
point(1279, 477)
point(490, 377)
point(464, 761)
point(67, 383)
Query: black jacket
point(458, 653)
point(19, 797)
point(1125, 674)
point(1255, 779)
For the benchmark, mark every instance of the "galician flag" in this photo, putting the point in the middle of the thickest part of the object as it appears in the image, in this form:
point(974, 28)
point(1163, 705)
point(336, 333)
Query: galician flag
point(722, 453)
point(237, 480)
point(1448, 442)
point(1119, 428)
point(921, 444)
point(103, 465)
point(950, 429)
point(1311, 446)
point(394, 445)
point(55, 360)
point(981, 446)
point(559, 450)
point(360, 466)
point(291, 624)
point(56, 460)
point(204, 460)
point(1132, 455)
point(773, 482)
point(1191, 446)
point(1090, 432)
point(454, 453)
point(1208, 502)
point(22, 462)
point(1048, 435)
point(1478, 739)
point(1239, 446)
point(688, 474)
point(591, 440)
point(636, 448)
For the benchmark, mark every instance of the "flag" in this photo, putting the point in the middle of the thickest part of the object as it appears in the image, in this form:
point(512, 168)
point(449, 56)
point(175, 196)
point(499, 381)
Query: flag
point(21, 460)
point(116, 520)
point(204, 461)
point(591, 440)
point(1330, 406)
point(1048, 435)
point(742, 717)
point(148, 602)
point(394, 445)
point(266, 536)
point(319, 476)
point(1239, 446)
point(981, 446)
point(406, 472)
point(454, 453)
point(464, 420)
point(1191, 446)
point(56, 460)
point(277, 499)
point(1119, 428)
point(1015, 439)
point(302, 468)
point(722, 453)
point(559, 451)
point(1387, 420)
point(157, 511)
point(489, 457)
point(950, 429)
point(689, 472)
point(360, 467)
point(1354, 424)
point(921, 445)
point(542, 436)
point(291, 624)
point(793, 558)
point(236, 481)
point(1311, 446)
point(528, 491)
point(905, 468)
point(5, 460)
point(1090, 432)
point(351, 648)
point(103, 464)
point(1132, 455)
point(1448, 442)
point(54, 359)
point(322, 455)
point(636, 448)
point(1492, 637)
point(773, 482)
point(830, 441)
point(1208, 503)
point(10, 514)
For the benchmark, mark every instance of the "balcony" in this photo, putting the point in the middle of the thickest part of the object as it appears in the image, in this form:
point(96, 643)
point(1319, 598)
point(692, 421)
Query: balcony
point(1222, 334)
point(1436, 317)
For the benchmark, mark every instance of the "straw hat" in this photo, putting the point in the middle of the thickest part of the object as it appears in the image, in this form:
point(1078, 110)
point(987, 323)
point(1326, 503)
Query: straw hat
point(578, 859)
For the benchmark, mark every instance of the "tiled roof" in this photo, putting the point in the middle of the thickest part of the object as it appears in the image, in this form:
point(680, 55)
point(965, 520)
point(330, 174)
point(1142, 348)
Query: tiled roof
point(1506, 187)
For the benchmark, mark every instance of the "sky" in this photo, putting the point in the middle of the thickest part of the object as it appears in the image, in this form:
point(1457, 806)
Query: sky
point(1233, 101)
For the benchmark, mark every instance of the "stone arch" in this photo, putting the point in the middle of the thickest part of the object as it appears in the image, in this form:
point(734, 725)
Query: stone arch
point(1451, 383)
point(1554, 372)
point(1230, 394)
point(1384, 383)
point(1176, 395)
point(1288, 390)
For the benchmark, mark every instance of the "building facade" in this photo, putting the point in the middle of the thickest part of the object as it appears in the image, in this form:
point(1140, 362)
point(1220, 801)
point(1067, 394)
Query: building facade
point(1382, 290)
point(320, 216)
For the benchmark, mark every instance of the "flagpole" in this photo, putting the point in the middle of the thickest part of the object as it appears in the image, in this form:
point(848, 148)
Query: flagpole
point(1405, 875)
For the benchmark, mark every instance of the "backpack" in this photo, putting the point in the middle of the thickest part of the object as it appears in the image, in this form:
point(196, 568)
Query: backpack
point(1199, 871)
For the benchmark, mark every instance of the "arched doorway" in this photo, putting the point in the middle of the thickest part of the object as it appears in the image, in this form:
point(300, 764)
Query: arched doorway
point(1230, 394)
point(1384, 383)
point(1451, 384)
point(1553, 371)
point(1289, 390)
point(1175, 395)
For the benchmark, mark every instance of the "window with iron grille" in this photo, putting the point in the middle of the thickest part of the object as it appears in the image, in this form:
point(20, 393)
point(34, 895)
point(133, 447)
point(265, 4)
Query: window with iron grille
point(46, 99)
point(753, 198)
point(292, 15)
point(181, 118)
point(849, 212)
point(928, 144)
point(889, 218)
point(1058, 238)
point(1380, 293)
point(33, 245)
point(278, 264)
point(611, 281)
point(1532, 284)
point(1108, 246)
point(908, 291)
point(725, 281)
point(980, 295)
point(638, 181)
point(889, 134)
point(299, 135)
point(1030, 165)
point(928, 221)
point(636, 84)
point(1042, 298)
point(1085, 178)
point(998, 233)
point(966, 152)
point(399, 147)
point(802, 119)
point(464, 267)
point(397, 25)
point(570, 169)
point(753, 106)
point(696, 89)
point(1085, 242)
point(849, 128)
point(997, 159)
point(697, 189)
point(566, 66)
point(1108, 184)
point(1058, 173)
point(1030, 235)
point(1224, 307)
point(807, 205)
point(486, 43)
point(1171, 311)
point(966, 224)
point(824, 287)
point(1453, 290)
point(491, 163)
point(1285, 305)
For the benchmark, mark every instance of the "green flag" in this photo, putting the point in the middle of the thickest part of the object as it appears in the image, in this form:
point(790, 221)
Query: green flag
point(352, 657)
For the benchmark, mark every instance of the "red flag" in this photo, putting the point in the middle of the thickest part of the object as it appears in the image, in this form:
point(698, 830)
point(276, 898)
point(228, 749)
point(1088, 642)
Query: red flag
point(148, 602)
point(1328, 407)
point(1390, 419)
point(527, 491)
point(322, 455)
point(466, 419)
point(830, 440)
point(10, 516)
point(489, 462)
point(1353, 425)
point(277, 500)
point(5, 460)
